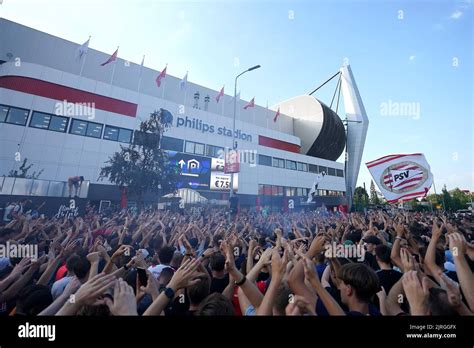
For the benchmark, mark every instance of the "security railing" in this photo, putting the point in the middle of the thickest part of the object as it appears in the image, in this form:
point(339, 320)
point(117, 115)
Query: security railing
point(36, 187)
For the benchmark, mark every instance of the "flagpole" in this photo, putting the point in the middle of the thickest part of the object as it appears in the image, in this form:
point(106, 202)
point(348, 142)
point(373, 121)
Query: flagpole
point(84, 61)
point(113, 69)
point(140, 76)
point(164, 83)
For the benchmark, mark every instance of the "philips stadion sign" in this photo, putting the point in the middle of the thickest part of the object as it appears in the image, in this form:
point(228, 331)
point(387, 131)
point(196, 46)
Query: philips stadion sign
point(203, 127)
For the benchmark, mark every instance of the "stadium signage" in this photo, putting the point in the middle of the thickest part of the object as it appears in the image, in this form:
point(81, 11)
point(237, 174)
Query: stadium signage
point(203, 127)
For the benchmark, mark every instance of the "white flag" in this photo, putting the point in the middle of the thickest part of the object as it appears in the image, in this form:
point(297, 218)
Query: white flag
point(82, 50)
point(184, 82)
point(401, 177)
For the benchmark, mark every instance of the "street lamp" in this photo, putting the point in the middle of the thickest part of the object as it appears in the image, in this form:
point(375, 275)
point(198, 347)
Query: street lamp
point(348, 189)
point(234, 142)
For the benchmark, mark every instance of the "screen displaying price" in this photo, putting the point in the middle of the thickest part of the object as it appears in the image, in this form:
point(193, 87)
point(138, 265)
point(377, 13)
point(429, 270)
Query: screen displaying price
point(221, 181)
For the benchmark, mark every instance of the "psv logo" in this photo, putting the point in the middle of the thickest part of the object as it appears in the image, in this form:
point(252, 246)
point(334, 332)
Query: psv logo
point(403, 177)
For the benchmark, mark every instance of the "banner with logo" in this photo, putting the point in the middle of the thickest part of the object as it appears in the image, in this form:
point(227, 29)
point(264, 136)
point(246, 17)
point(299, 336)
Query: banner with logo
point(401, 177)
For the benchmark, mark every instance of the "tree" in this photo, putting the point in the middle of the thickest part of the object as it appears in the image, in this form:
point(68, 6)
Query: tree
point(22, 171)
point(460, 199)
point(374, 198)
point(143, 166)
point(360, 198)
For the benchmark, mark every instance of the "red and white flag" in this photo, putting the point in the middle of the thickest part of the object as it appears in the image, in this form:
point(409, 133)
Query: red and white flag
point(276, 115)
point(250, 104)
point(401, 177)
point(221, 93)
point(111, 59)
point(161, 76)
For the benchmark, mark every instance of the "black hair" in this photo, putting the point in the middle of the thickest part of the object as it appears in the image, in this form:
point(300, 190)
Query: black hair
point(217, 262)
point(199, 291)
point(166, 254)
point(215, 305)
point(383, 253)
point(33, 299)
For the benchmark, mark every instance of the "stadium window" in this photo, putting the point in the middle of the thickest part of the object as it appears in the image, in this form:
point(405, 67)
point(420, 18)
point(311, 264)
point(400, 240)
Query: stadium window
point(260, 189)
point(94, 130)
point(331, 171)
point(78, 127)
point(302, 167)
point(214, 151)
point(279, 190)
point(290, 165)
point(3, 113)
point(125, 135)
point(199, 149)
point(189, 148)
point(58, 124)
point(264, 160)
point(313, 168)
point(278, 162)
point(111, 133)
point(172, 144)
point(42, 120)
point(322, 169)
point(267, 190)
point(290, 191)
point(17, 116)
point(340, 173)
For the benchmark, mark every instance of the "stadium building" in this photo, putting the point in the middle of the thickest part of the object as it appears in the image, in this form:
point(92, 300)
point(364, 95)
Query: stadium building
point(67, 115)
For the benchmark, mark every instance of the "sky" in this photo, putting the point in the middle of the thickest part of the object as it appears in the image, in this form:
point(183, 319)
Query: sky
point(417, 54)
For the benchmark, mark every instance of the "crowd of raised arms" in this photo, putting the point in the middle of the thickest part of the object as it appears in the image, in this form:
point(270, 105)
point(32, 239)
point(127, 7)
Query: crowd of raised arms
point(205, 263)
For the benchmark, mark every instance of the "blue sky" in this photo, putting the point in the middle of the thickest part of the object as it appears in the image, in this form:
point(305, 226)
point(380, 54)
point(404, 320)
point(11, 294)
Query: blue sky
point(400, 52)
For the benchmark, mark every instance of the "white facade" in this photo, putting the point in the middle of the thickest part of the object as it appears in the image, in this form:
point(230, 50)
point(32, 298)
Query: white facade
point(42, 58)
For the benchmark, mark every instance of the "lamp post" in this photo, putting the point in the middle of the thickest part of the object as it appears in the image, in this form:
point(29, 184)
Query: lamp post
point(346, 159)
point(234, 142)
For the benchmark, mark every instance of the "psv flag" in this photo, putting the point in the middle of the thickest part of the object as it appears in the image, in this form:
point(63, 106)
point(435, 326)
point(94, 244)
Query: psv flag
point(401, 177)
point(250, 104)
point(111, 59)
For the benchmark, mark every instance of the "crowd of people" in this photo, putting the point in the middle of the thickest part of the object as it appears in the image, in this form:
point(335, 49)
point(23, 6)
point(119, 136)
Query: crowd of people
point(204, 263)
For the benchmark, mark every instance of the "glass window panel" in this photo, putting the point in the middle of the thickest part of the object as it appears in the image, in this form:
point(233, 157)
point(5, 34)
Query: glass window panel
point(17, 116)
point(291, 165)
point(94, 130)
point(189, 147)
point(331, 171)
point(313, 168)
point(340, 173)
point(199, 149)
point(125, 135)
point(172, 144)
point(3, 112)
point(40, 120)
point(78, 127)
point(111, 133)
point(322, 169)
point(58, 124)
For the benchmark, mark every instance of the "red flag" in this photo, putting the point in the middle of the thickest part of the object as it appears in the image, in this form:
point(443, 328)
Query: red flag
point(161, 76)
point(250, 104)
point(221, 93)
point(277, 114)
point(111, 59)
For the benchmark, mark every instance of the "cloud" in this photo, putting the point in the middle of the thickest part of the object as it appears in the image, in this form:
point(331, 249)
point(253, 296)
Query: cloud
point(456, 14)
point(412, 57)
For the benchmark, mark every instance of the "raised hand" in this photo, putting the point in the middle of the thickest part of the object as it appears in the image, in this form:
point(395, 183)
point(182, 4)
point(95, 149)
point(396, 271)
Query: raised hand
point(417, 292)
point(124, 299)
point(184, 276)
point(408, 261)
point(97, 285)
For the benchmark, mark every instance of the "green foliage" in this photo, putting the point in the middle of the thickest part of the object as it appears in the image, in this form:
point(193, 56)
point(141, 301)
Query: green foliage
point(143, 166)
point(374, 198)
point(22, 171)
point(360, 199)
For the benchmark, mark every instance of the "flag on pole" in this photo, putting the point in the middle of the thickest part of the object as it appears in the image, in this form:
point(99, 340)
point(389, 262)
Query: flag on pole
point(143, 62)
point(276, 115)
point(250, 104)
point(161, 76)
point(401, 176)
point(111, 59)
point(184, 82)
point(82, 49)
point(221, 93)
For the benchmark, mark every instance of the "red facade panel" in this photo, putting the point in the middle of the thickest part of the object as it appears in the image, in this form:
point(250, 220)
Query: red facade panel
point(72, 95)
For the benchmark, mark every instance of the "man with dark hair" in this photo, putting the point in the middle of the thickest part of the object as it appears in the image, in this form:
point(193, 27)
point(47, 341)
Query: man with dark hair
point(216, 305)
point(32, 300)
point(165, 255)
point(358, 284)
point(76, 182)
point(197, 293)
point(219, 279)
point(387, 275)
point(77, 266)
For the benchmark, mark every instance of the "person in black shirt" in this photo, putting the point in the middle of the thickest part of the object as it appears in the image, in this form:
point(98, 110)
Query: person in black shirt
point(387, 275)
point(219, 279)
